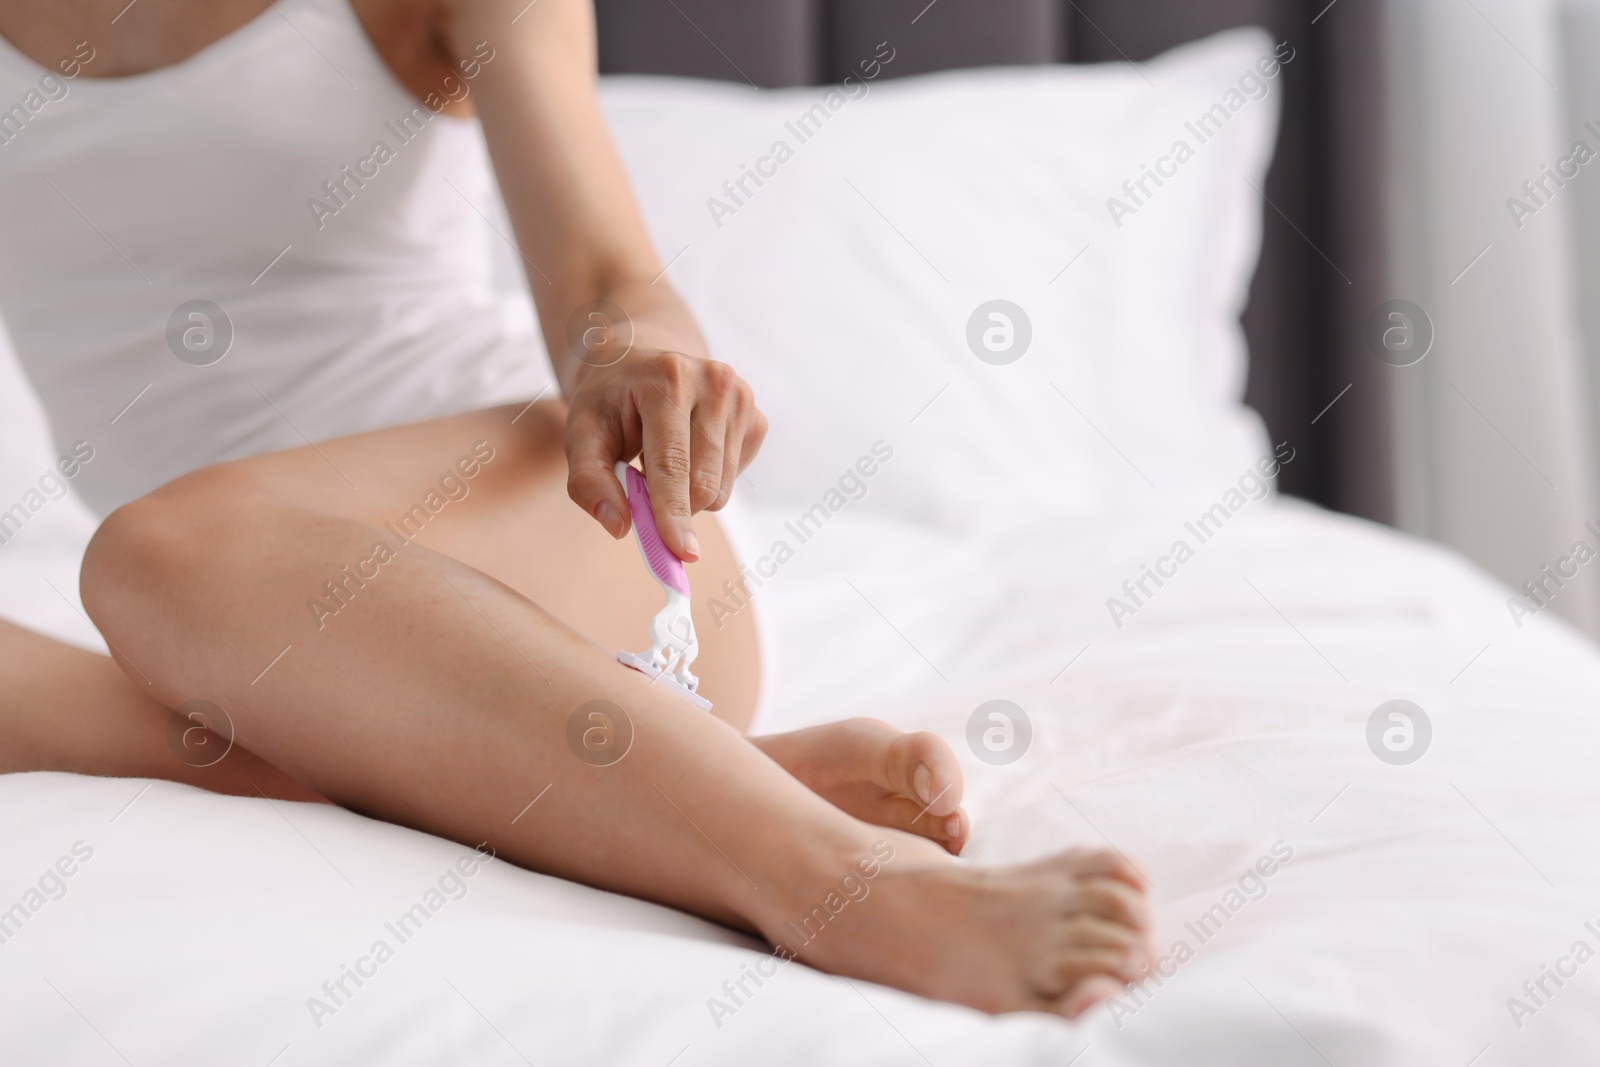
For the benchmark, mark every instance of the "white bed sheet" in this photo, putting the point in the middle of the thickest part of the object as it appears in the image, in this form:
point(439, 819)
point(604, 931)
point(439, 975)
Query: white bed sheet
point(1226, 716)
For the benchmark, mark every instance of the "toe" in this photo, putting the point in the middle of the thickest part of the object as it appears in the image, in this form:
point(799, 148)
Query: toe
point(956, 827)
point(1104, 863)
point(896, 812)
point(948, 830)
point(1113, 900)
point(1091, 931)
point(1076, 965)
point(1087, 993)
point(921, 767)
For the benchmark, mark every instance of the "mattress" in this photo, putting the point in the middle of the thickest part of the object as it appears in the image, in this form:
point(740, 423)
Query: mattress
point(1327, 892)
point(1364, 790)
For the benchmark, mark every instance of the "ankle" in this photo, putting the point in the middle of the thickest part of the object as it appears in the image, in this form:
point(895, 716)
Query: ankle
point(837, 880)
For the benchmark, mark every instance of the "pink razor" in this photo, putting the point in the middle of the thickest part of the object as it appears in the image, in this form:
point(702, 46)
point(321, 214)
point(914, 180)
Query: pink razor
point(673, 645)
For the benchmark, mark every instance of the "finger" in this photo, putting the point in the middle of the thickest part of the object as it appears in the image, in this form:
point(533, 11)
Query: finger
point(732, 445)
point(668, 454)
point(755, 435)
point(709, 419)
point(736, 439)
point(593, 446)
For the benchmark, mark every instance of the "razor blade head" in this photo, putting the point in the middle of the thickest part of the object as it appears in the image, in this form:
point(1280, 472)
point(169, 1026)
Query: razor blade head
point(644, 666)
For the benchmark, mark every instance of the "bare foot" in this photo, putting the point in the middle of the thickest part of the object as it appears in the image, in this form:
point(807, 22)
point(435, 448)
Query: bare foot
point(871, 770)
point(1054, 936)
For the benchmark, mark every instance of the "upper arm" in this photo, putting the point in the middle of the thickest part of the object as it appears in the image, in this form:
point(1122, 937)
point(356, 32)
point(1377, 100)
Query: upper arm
point(536, 94)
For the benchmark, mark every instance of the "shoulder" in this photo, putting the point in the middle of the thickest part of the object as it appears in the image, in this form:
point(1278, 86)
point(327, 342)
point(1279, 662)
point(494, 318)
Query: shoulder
point(422, 43)
point(514, 20)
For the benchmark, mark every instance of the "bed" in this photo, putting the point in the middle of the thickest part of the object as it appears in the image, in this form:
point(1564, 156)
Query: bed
point(1334, 884)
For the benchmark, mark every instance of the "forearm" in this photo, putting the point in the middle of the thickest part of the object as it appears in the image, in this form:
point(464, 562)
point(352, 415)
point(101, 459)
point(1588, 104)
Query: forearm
point(692, 419)
point(656, 318)
point(577, 224)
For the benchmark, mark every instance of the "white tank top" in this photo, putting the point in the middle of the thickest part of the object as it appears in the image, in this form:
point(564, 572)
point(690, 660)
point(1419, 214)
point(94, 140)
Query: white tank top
point(283, 176)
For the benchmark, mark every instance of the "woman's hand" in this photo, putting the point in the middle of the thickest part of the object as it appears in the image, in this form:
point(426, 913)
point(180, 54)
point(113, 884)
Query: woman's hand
point(581, 234)
point(695, 421)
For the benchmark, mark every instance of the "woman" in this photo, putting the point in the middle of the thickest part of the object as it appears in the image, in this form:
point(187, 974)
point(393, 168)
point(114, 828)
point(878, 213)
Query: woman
point(164, 153)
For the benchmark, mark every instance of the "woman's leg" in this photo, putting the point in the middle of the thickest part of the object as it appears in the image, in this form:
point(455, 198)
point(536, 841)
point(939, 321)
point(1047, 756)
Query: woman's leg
point(512, 521)
point(431, 692)
point(65, 709)
point(510, 518)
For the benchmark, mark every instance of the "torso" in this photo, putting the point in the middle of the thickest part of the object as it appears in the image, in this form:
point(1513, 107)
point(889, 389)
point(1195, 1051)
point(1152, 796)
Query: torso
point(150, 34)
point(263, 221)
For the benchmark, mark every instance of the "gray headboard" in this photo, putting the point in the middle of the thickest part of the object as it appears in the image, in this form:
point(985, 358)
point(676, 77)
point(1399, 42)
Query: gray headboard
point(1296, 365)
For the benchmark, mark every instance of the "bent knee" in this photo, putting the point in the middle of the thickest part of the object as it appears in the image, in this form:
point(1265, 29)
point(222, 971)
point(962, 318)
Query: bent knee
point(146, 547)
point(133, 544)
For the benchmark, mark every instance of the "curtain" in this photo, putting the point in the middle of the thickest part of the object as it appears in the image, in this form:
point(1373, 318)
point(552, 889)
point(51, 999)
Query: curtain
point(1492, 229)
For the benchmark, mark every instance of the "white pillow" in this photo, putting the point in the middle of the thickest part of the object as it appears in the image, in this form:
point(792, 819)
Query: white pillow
point(842, 285)
point(43, 525)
